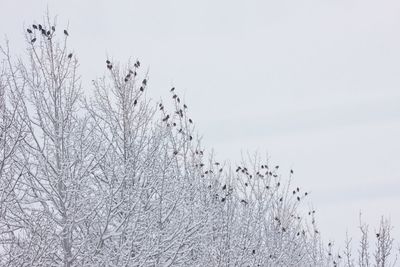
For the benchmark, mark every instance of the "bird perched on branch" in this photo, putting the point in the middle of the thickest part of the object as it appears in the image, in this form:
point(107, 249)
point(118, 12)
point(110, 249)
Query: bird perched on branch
point(66, 32)
point(70, 55)
point(166, 118)
point(29, 31)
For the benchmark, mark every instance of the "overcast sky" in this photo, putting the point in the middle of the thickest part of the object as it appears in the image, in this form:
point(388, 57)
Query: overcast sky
point(315, 84)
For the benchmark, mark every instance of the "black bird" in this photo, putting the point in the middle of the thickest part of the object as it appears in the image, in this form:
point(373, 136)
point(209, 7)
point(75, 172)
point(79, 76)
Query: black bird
point(108, 62)
point(190, 137)
point(144, 82)
point(43, 31)
point(166, 118)
point(224, 187)
point(33, 40)
point(298, 189)
point(34, 26)
point(277, 167)
point(298, 198)
point(184, 106)
point(190, 120)
point(53, 28)
point(66, 33)
point(141, 88)
point(254, 251)
point(109, 66)
point(172, 89)
point(135, 102)
point(223, 199)
point(137, 64)
point(70, 55)
point(377, 235)
point(126, 79)
point(291, 171)
point(40, 27)
point(281, 199)
point(48, 32)
point(246, 184)
point(174, 96)
point(29, 31)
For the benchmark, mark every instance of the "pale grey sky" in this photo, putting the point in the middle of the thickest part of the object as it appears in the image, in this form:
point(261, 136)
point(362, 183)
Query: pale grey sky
point(315, 84)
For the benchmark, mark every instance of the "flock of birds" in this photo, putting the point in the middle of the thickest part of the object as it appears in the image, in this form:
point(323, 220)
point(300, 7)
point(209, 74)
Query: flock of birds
point(48, 33)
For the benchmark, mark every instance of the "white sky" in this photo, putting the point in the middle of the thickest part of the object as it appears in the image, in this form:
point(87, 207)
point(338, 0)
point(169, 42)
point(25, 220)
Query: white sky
point(315, 84)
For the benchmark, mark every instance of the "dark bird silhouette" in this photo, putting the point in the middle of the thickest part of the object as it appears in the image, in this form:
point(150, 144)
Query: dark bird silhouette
point(29, 31)
point(53, 28)
point(184, 106)
point(66, 32)
point(70, 55)
point(172, 89)
point(40, 27)
point(298, 189)
point(377, 235)
point(291, 171)
point(281, 199)
point(137, 64)
point(190, 121)
point(144, 82)
point(174, 96)
point(141, 88)
point(135, 102)
point(277, 167)
point(298, 198)
point(109, 66)
point(48, 33)
point(33, 40)
point(108, 62)
point(223, 199)
point(34, 26)
point(166, 118)
point(246, 184)
point(224, 187)
point(43, 31)
point(254, 251)
point(126, 79)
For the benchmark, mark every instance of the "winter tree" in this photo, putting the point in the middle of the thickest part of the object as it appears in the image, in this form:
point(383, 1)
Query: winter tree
point(105, 176)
